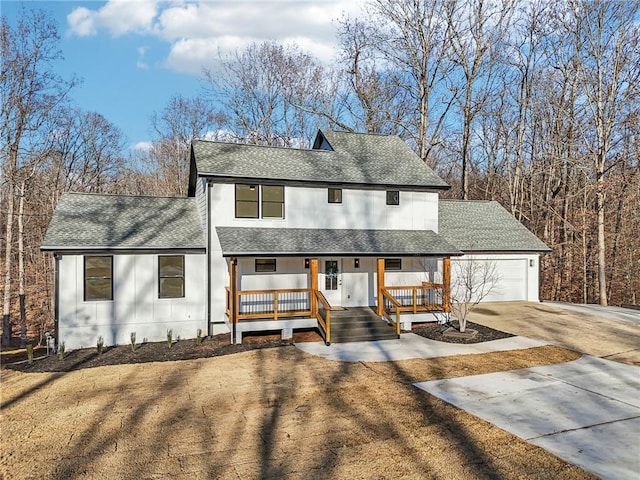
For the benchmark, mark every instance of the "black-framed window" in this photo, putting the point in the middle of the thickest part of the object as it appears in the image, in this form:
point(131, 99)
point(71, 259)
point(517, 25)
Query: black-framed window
point(247, 201)
point(393, 197)
point(256, 201)
point(98, 277)
point(272, 201)
point(170, 276)
point(393, 264)
point(335, 195)
point(265, 265)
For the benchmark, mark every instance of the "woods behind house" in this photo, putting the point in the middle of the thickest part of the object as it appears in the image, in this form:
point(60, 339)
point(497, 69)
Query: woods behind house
point(534, 104)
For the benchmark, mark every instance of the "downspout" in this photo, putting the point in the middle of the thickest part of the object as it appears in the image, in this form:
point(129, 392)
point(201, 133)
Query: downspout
point(209, 324)
point(56, 298)
point(234, 292)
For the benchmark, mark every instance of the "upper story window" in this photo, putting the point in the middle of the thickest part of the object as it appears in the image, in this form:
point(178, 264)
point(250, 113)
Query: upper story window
point(335, 195)
point(247, 201)
point(393, 197)
point(98, 278)
point(272, 201)
point(256, 201)
point(171, 276)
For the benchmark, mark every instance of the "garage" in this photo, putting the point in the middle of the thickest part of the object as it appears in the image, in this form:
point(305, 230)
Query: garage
point(507, 278)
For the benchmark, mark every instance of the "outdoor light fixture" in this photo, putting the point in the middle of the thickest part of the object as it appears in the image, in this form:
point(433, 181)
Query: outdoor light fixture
point(252, 187)
point(306, 263)
point(356, 263)
point(532, 262)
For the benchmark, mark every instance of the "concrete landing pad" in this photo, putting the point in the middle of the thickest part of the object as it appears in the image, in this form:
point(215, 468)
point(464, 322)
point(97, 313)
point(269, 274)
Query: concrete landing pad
point(587, 411)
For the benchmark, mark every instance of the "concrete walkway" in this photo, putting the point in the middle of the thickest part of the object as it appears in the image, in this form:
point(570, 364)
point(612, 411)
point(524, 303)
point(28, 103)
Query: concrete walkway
point(408, 346)
point(587, 411)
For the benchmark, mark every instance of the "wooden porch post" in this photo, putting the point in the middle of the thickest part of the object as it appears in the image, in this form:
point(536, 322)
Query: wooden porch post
point(313, 273)
point(380, 285)
point(446, 284)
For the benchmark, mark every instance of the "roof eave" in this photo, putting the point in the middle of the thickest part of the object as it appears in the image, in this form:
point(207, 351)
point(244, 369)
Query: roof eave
point(293, 181)
point(95, 248)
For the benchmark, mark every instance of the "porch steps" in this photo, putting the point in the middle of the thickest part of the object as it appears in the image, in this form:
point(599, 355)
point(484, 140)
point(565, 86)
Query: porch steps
point(359, 325)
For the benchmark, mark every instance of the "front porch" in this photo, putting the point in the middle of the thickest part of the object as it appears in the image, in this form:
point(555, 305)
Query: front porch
point(288, 309)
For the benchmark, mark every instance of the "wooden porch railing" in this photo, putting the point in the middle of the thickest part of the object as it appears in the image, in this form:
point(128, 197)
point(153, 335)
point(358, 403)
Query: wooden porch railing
point(270, 304)
point(428, 297)
point(323, 315)
point(391, 309)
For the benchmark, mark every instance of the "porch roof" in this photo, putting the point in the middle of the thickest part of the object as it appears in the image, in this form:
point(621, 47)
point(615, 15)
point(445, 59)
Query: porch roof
point(251, 242)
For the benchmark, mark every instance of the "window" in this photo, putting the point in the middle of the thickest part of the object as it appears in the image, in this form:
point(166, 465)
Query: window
point(335, 195)
point(272, 201)
point(393, 197)
point(98, 278)
point(393, 264)
point(171, 276)
point(249, 199)
point(331, 275)
point(265, 264)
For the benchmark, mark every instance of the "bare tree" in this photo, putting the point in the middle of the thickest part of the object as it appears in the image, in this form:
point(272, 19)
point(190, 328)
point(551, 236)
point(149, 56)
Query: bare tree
point(179, 122)
point(29, 91)
point(476, 30)
point(410, 38)
point(610, 72)
point(472, 280)
point(261, 88)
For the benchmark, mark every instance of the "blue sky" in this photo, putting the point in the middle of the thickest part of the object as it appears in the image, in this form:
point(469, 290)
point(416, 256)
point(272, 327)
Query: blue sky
point(133, 55)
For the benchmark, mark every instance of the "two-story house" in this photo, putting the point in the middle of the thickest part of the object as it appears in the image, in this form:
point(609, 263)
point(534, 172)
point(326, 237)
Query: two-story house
point(278, 239)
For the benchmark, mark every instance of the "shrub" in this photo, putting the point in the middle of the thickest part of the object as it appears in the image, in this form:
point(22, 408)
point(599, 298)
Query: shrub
point(133, 341)
point(30, 354)
point(169, 337)
point(61, 351)
point(100, 345)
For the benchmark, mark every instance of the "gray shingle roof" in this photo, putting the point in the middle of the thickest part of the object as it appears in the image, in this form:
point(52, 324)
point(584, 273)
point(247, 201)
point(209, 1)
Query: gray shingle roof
point(484, 226)
point(92, 221)
point(244, 241)
point(361, 159)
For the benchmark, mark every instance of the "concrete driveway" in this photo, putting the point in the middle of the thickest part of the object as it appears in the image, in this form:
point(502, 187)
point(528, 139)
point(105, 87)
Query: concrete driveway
point(586, 412)
point(592, 333)
point(615, 313)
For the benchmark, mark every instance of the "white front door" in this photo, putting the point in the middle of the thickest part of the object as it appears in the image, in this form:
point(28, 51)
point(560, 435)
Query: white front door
point(332, 282)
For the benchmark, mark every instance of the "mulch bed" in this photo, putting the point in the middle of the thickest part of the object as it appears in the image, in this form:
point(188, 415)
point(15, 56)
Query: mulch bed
point(435, 332)
point(210, 347)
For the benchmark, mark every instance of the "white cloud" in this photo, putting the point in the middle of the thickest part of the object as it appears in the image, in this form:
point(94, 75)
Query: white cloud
point(197, 31)
point(141, 53)
point(142, 146)
point(118, 17)
point(82, 22)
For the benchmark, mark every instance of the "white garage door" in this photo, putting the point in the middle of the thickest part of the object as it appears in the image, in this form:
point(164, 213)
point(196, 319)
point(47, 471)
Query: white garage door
point(511, 277)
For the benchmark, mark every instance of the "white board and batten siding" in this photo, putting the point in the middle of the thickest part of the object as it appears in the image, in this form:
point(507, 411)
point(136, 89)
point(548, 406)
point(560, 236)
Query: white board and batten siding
point(136, 306)
point(308, 207)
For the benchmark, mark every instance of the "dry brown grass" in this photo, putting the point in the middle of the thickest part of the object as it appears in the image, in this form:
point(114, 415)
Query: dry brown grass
point(275, 413)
